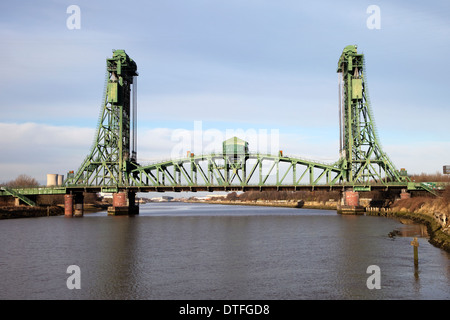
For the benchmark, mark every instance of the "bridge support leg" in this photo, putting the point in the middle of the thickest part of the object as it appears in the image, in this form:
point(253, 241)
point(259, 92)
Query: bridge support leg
point(68, 205)
point(79, 204)
point(349, 203)
point(405, 194)
point(124, 203)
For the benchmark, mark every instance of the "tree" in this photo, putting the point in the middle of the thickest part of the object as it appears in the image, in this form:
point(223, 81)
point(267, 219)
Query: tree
point(232, 196)
point(22, 181)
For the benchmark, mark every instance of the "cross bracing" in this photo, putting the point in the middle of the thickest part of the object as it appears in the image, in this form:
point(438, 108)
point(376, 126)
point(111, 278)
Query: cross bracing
point(246, 170)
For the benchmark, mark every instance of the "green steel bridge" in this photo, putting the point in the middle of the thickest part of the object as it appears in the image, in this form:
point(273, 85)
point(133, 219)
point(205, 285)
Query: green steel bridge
point(111, 165)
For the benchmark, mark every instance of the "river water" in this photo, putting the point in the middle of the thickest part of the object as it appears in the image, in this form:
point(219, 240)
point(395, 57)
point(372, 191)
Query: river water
point(204, 251)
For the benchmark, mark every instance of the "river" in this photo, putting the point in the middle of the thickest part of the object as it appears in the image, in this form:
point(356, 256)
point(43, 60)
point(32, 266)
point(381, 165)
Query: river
point(203, 251)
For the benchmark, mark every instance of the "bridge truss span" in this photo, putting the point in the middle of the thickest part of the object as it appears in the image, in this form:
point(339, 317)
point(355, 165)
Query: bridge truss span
point(112, 161)
point(249, 170)
point(111, 165)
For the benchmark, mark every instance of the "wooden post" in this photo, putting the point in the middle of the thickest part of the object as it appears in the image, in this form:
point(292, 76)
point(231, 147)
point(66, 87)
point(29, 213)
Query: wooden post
point(415, 244)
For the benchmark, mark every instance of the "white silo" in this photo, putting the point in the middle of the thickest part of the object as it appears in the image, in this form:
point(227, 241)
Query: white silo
point(52, 179)
point(60, 179)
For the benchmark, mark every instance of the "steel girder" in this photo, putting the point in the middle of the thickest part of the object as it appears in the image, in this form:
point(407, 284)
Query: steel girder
point(246, 170)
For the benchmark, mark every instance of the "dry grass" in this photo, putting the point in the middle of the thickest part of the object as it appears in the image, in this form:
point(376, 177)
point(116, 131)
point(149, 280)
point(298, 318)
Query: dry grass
point(412, 204)
point(285, 195)
point(425, 177)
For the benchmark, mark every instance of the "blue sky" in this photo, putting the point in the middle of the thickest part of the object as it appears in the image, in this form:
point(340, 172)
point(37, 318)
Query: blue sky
point(249, 65)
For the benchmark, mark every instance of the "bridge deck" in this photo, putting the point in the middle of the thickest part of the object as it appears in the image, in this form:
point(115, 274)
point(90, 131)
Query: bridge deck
point(214, 188)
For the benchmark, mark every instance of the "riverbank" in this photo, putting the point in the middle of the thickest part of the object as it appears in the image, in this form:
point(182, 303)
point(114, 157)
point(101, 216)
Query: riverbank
point(437, 235)
point(432, 212)
point(13, 212)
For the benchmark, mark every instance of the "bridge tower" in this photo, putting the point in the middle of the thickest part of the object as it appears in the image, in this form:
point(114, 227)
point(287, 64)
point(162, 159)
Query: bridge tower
point(113, 153)
point(361, 156)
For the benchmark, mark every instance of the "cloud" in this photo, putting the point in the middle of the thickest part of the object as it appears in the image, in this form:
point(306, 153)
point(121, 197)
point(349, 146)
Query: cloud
point(240, 65)
point(38, 149)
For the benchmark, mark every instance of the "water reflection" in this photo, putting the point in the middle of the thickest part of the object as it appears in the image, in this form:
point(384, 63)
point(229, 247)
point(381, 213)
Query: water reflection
point(115, 265)
point(179, 251)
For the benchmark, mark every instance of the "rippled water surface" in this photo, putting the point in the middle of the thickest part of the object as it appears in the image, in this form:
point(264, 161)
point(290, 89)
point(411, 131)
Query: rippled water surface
point(202, 251)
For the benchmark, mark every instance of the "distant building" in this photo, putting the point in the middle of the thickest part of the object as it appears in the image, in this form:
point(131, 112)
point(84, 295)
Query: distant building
point(162, 199)
point(105, 195)
point(219, 196)
point(208, 198)
point(202, 198)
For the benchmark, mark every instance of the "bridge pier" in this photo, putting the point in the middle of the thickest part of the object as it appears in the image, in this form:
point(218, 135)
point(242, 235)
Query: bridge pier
point(74, 205)
point(68, 205)
point(79, 205)
point(405, 194)
point(349, 203)
point(124, 203)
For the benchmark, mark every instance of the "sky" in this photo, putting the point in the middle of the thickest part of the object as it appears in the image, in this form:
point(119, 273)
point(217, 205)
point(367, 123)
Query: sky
point(261, 69)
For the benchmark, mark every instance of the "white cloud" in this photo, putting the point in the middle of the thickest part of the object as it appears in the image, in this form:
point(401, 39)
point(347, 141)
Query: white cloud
point(38, 149)
point(237, 65)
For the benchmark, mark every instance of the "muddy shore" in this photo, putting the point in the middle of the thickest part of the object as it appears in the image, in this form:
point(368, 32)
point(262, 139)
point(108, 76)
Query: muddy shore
point(329, 205)
point(15, 212)
point(12, 212)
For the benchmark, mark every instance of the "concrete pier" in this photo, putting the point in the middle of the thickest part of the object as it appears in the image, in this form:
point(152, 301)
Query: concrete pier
point(349, 203)
point(404, 194)
point(74, 205)
point(68, 205)
point(79, 205)
point(124, 203)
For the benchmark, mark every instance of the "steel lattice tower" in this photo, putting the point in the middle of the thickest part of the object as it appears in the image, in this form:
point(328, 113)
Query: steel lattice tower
point(361, 156)
point(113, 153)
